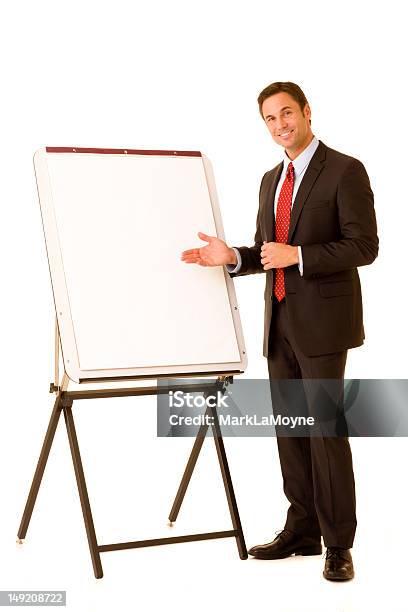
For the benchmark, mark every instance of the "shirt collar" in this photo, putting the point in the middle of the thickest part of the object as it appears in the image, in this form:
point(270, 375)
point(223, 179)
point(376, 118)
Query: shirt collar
point(302, 160)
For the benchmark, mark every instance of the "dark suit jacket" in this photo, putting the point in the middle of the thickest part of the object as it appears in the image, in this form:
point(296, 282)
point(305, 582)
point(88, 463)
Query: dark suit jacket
point(333, 220)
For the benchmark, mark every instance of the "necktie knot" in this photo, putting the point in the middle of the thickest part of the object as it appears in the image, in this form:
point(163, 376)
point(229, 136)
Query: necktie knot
point(290, 171)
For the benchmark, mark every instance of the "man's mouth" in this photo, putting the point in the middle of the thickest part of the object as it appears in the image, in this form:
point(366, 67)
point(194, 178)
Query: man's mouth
point(286, 134)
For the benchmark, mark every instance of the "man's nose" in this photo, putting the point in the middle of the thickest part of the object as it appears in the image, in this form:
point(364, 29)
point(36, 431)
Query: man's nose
point(281, 123)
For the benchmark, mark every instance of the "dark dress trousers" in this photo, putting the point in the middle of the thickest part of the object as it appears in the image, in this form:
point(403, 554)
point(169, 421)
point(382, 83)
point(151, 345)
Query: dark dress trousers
point(307, 335)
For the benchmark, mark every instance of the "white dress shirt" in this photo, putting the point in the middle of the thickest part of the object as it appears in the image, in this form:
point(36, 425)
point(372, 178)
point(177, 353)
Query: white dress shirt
point(300, 164)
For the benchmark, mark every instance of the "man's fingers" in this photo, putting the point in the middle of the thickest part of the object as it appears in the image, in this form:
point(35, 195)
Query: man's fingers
point(198, 261)
point(194, 257)
point(267, 245)
point(189, 252)
point(200, 256)
point(190, 255)
point(205, 237)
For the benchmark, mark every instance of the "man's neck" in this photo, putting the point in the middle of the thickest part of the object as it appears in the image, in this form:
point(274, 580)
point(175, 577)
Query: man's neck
point(293, 154)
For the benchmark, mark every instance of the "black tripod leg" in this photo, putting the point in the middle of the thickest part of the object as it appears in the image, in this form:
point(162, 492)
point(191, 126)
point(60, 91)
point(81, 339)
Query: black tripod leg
point(83, 493)
point(42, 462)
point(188, 472)
point(229, 490)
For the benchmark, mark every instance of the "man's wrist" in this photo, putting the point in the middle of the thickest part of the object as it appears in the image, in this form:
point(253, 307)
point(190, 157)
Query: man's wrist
point(233, 258)
point(295, 251)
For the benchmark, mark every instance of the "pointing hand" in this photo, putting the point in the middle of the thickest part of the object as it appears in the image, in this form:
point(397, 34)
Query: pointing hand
point(215, 253)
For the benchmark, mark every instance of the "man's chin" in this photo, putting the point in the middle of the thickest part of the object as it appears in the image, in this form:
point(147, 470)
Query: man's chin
point(287, 143)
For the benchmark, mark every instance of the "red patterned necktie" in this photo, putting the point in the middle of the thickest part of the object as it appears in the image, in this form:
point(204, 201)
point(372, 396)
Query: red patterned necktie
point(282, 222)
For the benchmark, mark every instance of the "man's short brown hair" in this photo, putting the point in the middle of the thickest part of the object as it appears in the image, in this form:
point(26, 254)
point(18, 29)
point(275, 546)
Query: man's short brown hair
point(290, 88)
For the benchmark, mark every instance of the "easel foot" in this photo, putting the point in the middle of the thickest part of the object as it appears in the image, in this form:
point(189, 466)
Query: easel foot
point(19, 541)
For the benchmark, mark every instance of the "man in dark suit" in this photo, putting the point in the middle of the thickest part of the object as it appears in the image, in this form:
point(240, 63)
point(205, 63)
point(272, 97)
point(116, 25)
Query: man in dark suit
point(316, 224)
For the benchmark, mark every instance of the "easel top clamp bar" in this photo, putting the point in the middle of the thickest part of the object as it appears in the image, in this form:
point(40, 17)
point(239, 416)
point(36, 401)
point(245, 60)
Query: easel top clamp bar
point(121, 151)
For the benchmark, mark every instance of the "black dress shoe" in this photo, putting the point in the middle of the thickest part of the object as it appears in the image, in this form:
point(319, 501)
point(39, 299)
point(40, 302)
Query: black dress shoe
point(286, 544)
point(339, 564)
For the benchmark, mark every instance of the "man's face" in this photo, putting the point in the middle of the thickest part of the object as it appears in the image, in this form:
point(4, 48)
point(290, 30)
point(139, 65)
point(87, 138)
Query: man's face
point(287, 123)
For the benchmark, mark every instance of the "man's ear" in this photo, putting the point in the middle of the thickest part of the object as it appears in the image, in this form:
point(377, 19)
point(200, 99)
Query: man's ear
point(307, 113)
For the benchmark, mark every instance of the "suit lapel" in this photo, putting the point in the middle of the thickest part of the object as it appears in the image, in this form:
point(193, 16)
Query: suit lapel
point(269, 215)
point(313, 170)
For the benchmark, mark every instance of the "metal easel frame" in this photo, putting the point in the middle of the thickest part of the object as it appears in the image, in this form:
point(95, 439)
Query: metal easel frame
point(63, 403)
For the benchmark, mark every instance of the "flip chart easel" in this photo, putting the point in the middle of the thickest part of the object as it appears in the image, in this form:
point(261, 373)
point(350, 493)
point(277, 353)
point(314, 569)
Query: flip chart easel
point(65, 398)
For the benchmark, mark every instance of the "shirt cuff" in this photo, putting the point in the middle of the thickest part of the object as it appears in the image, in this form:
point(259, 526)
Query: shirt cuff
point(300, 264)
point(234, 269)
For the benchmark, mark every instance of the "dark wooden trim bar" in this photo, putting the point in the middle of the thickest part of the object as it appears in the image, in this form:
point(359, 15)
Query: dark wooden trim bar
point(122, 151)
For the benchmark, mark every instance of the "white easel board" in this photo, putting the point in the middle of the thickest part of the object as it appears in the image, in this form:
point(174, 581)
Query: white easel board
point(115, 224)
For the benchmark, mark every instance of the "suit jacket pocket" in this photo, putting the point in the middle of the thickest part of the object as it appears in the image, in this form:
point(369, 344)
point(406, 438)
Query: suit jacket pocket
point(336, 288)
point(312, 205)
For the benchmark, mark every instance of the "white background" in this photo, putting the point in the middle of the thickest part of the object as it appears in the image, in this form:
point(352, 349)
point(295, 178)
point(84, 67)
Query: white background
point(186, 75)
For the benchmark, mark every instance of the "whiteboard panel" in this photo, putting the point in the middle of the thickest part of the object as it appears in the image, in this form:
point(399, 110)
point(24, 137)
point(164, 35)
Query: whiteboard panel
point(115, 225)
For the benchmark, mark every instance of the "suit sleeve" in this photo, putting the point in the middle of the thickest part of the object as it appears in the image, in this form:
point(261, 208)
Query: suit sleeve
point(358, 240)
point(251, 256)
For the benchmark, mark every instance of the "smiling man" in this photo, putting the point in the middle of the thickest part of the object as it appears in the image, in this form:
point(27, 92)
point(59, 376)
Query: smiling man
point(316, 224)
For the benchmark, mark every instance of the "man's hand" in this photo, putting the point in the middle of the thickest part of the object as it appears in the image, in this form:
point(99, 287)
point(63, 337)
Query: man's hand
point(278, 255)
point(215, 253)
